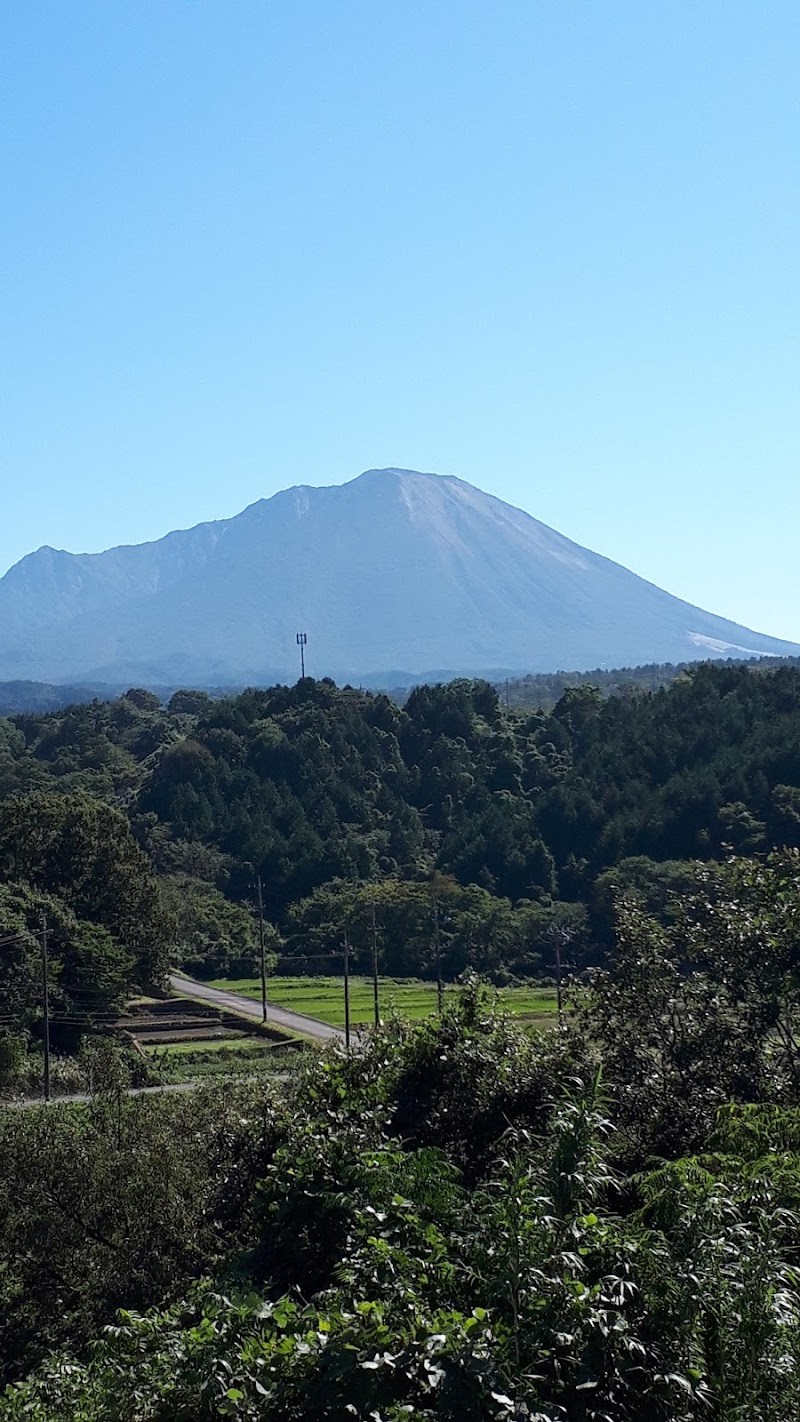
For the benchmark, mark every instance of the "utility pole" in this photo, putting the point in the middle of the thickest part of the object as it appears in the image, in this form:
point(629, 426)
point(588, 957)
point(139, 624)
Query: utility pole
point(561, 939)
point(346, 991)
point(375, 969)
point(263, 957)
point(559, 1000)
point(302, 641)
point(46, 1001)
point(438, 947)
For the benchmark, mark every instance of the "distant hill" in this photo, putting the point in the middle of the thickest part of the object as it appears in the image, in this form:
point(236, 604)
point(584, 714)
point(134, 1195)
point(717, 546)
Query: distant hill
point(18, 697)
point(545, 689)
point(535, 689)
point(395, 569)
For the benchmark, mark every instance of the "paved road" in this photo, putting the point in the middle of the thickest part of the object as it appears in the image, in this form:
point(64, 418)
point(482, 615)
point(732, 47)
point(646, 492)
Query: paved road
point(280, 1016)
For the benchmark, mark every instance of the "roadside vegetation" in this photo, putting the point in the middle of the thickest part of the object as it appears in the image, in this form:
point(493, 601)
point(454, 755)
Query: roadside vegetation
point(461, 1219)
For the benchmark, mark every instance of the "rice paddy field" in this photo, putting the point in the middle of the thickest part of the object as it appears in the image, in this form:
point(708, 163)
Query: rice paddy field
point(324, 997)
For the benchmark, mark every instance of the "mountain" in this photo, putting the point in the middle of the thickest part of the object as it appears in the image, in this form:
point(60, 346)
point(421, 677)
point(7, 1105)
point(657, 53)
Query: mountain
point(395, 569)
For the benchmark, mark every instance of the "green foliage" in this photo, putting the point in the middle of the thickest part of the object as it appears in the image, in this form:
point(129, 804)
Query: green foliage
point(437, 1226)
point(88, 972)
point(463, 1078)
point(475, 930)
point(543, 690)
point(702, 1007)
point(461, 1220)
point(655, 886)
point(214, 938)
point(412, 1295)
point(315, 787)
point(81, 851)
point(117, 1204)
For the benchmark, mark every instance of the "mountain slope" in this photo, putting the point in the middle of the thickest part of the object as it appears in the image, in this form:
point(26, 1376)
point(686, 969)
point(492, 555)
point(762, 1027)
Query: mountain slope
point(395, 569)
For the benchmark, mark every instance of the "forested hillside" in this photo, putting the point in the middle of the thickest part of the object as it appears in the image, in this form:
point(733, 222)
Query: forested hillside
point(508, 825)
point(544, 689)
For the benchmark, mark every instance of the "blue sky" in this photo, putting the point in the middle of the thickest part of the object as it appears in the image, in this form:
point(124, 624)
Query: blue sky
point(550, 246)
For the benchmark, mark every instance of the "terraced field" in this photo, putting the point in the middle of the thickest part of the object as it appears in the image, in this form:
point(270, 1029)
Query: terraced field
point(185, 1040)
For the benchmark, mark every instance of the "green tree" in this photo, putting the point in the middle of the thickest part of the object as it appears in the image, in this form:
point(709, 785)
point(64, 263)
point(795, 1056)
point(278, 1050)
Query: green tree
point(702, 1007)
point(214, 938)
point(118, 1204)
point(82, 851)
point(89, 970)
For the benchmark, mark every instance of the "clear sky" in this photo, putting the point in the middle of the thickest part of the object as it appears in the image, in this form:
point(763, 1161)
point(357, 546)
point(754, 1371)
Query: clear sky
point(551, 246)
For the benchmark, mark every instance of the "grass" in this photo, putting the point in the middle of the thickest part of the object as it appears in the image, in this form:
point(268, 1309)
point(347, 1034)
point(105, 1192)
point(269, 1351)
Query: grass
point(323, 998)
point(530, 1001)
point(236, 1056)
point(236, 1045)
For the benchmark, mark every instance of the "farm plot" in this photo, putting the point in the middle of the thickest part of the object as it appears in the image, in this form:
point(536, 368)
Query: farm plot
point(183, 1039)
point(324, 997)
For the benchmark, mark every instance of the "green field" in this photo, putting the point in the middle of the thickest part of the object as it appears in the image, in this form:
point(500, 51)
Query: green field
point(324, 997)
point(236, 1056)
point(233, 1045)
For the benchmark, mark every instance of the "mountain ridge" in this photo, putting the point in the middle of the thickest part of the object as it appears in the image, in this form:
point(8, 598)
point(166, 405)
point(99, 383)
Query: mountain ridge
point(393, 568)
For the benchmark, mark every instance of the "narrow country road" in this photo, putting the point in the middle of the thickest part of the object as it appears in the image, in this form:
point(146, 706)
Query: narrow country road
point(280, 1016)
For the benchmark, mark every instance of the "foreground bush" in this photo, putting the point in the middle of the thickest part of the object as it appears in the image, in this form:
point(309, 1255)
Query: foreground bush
point(382, 1271)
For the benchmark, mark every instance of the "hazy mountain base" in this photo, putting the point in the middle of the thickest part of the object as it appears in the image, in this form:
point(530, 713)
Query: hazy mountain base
point(535, 689)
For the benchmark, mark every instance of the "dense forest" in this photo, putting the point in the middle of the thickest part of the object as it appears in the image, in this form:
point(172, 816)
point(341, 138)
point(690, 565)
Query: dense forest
point(516, 829)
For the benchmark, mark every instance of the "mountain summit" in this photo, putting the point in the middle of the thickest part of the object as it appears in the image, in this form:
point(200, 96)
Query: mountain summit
point(395, 572)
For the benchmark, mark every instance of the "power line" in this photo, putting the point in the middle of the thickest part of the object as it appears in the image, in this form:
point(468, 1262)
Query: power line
point(346, 991)
point(261, 952)
point(307, 958)
point(438, 947)
point(375, 969)
point(46, 1001)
